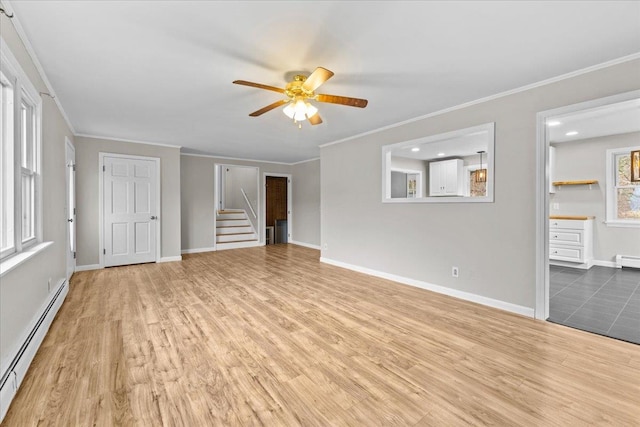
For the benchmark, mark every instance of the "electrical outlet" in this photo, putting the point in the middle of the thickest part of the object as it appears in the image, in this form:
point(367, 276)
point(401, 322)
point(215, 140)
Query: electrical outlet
point(325, 247)
point(556, 206)
point(455, 271)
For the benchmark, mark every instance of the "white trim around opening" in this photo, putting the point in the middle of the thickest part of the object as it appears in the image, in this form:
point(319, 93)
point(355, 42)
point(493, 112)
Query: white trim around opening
point(542, 193)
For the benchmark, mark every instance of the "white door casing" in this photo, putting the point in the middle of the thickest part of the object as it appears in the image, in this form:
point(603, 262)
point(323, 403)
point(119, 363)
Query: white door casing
point(70, 175)
point(130, 196)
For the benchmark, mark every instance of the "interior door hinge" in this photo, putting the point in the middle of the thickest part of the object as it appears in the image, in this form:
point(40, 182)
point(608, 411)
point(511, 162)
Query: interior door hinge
point(74, 254)
point(73, 167)
point(104, 168)
point(104, 252)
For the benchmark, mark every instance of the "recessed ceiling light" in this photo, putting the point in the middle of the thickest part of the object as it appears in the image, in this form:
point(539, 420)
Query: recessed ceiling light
point(571, 133)
point(554, 123)
point(415, 149)
point(440, 154)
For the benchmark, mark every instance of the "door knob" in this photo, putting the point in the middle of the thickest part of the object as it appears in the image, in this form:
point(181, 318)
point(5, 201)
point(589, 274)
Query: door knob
point(154, 217)
point(70, 220)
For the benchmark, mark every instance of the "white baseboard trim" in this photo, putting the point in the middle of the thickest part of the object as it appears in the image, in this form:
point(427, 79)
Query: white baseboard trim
point(170, 258)
point(605, 263)
point(88, 267)
point(197, 250)
point(306, 245)
point(16, 364)
point(467, 296)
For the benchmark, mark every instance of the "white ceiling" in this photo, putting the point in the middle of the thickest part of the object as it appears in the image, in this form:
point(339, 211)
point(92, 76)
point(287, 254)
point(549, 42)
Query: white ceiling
point(459, 146)
point(614, 119)
point(161, 71)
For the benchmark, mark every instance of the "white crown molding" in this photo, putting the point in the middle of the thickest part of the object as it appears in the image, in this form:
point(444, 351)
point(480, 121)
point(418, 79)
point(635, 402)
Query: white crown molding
point(492, 97)
point(32, 54)
point(211, 156)
point(305, 161)
point(108, 138)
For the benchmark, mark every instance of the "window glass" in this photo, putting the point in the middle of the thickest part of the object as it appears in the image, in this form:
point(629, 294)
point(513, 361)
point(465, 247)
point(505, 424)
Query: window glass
point(7, 237)
point(28, 205)
point(626, 194)
point(19, 174)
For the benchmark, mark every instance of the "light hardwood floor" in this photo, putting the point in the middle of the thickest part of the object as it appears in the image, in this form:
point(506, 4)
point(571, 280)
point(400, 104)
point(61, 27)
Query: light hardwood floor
point(270, 336)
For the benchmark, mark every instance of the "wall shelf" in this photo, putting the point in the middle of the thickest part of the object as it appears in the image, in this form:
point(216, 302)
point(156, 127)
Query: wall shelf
point(584, 182)
point(574, 217)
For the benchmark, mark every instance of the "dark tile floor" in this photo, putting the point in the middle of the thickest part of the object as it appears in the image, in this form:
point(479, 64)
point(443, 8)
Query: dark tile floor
point(602, 300)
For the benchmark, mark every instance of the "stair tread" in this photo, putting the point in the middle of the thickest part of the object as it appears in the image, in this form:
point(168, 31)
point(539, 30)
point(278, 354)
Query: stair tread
point(238, 241)
point(234, 234)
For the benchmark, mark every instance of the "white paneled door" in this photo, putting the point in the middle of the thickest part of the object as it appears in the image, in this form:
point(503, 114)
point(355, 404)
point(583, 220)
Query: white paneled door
point(130, 217)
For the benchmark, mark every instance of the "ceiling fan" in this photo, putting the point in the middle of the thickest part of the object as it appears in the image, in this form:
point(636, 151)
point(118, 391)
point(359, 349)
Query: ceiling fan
point(298, 92)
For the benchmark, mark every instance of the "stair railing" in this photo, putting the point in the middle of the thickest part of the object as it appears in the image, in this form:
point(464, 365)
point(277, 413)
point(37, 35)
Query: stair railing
point(246, 199)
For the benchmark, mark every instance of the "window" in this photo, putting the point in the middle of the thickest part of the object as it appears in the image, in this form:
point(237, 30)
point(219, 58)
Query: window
point(623, 196)
point(19, 158)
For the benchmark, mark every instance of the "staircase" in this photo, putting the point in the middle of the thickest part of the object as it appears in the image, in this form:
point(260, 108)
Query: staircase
point(234, 230)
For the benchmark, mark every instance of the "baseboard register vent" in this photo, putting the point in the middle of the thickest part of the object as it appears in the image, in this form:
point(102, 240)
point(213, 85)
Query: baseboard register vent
point(627, 261)
point(15, 372)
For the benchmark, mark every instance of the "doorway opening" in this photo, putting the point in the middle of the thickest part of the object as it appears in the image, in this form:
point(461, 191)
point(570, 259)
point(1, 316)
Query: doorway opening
point(70, 175)
point(277, 208)
point(237, 222)
point(588, 217)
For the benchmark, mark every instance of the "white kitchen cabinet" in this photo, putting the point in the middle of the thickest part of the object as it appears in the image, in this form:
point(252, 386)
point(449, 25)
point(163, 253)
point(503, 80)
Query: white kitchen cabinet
point(571, 242)
point(446, 178)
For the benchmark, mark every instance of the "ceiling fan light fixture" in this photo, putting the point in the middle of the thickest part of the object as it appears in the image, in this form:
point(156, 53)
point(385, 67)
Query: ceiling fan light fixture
point(311, 110)
point(288, 110)
point(299, 110)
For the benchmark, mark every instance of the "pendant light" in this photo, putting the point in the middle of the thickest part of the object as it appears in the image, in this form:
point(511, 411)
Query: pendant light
point(481, 174)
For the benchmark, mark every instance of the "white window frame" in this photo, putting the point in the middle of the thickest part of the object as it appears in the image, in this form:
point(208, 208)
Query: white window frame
point(611, 189)
point(24, 92)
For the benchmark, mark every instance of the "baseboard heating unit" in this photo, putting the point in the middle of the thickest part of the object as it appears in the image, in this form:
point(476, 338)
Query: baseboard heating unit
point(15, 371)
point(627, 261)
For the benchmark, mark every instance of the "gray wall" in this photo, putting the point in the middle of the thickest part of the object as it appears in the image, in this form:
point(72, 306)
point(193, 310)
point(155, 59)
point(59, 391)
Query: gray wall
point(493, 244)
point(87, 193)
point(198, 207)
point(306, 202)
point(586, 159)
point(23, 291)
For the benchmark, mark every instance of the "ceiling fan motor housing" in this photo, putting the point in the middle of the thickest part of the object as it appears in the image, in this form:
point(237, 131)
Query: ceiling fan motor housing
point(294, 89)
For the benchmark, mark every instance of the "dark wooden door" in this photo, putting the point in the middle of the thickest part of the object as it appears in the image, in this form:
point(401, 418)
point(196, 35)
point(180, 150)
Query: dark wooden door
point(276, 188)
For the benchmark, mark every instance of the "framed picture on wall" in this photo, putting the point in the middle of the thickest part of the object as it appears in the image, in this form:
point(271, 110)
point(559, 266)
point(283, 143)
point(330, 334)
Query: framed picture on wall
point(635, 166)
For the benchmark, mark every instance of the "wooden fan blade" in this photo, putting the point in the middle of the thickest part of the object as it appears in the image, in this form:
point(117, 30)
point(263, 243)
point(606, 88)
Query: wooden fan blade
point(342, 100)
point(258, 85)
point(269, 108)
point(315, 119)
point(319, 76)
